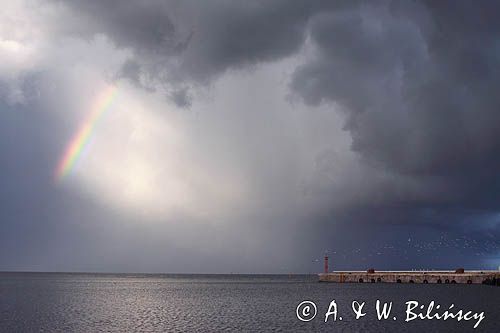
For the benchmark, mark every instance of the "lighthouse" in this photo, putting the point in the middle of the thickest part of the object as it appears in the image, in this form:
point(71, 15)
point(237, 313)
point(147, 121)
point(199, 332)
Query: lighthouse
point(326, 263)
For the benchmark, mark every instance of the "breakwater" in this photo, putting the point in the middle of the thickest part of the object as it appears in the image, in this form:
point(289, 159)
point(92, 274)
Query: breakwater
point(439, 277)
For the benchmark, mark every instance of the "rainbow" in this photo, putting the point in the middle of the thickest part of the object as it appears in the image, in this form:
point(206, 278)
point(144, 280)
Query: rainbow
point(80, 140)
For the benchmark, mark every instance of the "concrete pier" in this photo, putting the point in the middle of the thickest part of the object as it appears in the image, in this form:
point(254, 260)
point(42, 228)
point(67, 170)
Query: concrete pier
point(444, 277)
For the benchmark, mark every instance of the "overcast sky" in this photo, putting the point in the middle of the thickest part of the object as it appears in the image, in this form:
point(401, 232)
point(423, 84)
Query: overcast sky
point(250, 136)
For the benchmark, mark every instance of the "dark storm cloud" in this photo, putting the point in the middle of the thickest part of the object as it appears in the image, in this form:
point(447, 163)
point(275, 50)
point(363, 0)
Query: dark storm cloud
point(175, 42)
point(418, 86)
point(416, 81)
point(210, 36)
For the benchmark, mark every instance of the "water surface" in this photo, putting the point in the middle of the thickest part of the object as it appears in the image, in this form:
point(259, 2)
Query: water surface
point(62, 302)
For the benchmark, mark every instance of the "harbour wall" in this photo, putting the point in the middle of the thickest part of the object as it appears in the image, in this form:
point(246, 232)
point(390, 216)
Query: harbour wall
point(439, 277)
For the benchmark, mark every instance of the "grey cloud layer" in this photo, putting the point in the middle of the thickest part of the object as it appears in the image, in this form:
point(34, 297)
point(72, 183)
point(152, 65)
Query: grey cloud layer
point(195, 41)
point(416, 80)
point(404, 72)
point(417, 84)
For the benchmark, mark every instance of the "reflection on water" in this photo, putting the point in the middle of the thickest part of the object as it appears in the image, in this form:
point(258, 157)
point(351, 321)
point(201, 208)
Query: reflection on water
point(55, 302)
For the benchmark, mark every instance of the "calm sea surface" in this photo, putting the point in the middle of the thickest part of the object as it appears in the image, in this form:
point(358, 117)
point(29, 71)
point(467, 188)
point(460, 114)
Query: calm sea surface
point(57, 302)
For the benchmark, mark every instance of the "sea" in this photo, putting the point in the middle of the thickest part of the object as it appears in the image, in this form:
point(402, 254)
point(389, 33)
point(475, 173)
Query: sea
point(84, 302)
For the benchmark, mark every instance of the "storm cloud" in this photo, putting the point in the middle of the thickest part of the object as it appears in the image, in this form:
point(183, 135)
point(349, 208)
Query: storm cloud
point(405, 73)
point(283, 127)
